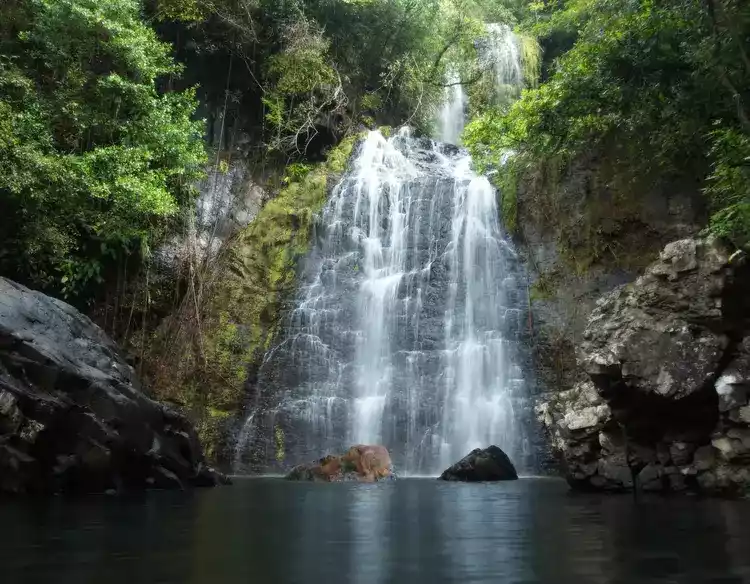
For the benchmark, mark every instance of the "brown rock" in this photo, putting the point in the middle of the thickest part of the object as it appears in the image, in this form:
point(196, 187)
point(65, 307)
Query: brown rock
point(364, 463)
point(370, 462)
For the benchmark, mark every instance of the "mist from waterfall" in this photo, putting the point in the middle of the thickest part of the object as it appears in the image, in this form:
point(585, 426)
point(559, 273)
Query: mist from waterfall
point(405, 331)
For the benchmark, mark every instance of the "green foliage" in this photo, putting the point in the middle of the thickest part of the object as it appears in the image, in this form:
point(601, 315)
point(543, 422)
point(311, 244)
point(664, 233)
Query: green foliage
point(531, 59)
point(667, 82)
point(729, 185)
point(183, 10)
point(334, 65)
point(94, 162)
point(507, 183)
point(297, 171)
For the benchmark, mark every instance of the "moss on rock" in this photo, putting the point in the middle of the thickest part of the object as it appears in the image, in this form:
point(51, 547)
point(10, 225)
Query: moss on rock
point(203, 367)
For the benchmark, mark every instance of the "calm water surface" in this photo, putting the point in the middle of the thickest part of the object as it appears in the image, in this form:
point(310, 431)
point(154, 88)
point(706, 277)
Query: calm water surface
point(412, 531)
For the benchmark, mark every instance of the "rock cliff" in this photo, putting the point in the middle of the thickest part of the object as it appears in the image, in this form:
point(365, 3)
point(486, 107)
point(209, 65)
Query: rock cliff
point(583, 232)
point(664, 402)
point(73, 417)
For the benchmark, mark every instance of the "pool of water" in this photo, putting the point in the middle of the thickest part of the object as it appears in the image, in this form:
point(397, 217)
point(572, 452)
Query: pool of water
point(410, 531)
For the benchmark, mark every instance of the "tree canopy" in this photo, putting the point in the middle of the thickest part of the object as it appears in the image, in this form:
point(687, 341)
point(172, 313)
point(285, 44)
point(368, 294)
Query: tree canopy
point(337, 64)
point(94, 161)
point(667, 83)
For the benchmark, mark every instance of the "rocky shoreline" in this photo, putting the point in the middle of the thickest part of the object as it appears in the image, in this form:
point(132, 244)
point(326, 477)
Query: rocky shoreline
point(662, 403)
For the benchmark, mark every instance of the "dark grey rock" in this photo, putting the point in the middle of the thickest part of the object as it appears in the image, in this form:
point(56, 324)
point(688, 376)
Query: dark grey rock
point(704, 458)
point(73, 417)
point(582, 238)
point(488, 464)
point(650, 478)
point(681, 453)
point(668, 365)
point(662, 334)
point(733, 385)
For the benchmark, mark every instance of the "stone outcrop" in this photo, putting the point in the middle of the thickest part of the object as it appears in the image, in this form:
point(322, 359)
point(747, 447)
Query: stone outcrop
point(583, 233)
point(664, 406)
point(73, 417)
point(361, 463)
point(488, 464)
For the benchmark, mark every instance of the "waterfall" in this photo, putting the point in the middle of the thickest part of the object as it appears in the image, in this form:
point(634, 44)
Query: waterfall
point(452, 115)
point(502, 52)
point(405, 331)
point(500, 55)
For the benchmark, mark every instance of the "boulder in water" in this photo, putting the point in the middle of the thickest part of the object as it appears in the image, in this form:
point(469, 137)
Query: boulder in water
point(489, 464)
point(73, 417)
point(363, 463)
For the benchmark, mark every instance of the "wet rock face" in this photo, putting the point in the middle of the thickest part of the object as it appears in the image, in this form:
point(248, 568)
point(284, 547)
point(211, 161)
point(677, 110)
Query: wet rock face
point(72, 415)
point(667, 362)
point(567, 228)
point(489, 464)
point(363, 463)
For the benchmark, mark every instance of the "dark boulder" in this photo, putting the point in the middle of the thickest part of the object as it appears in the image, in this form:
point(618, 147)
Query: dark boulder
point(73, 417)
point(490, 464)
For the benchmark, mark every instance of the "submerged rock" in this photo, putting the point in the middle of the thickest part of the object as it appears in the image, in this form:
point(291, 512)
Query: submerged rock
point(361, 463)
point(489, 464)
point(665, 405)
point(73, 417)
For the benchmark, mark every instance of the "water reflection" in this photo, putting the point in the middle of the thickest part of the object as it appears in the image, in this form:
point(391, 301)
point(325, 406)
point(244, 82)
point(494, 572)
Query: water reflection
point(614, 540)
point(736, 529)
point(406, 532)
point(481, 539)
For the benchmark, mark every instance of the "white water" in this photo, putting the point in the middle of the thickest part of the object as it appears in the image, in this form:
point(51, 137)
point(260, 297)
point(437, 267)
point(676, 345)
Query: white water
point(479, 371)
point(406, 330)
point(500, 55)
point(503, 54)
point(453, 113)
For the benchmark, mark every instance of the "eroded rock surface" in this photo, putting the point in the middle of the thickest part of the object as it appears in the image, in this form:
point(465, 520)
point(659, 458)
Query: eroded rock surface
point(73, 417)
point(488, 464)
point(364, 463)
point(664, 403)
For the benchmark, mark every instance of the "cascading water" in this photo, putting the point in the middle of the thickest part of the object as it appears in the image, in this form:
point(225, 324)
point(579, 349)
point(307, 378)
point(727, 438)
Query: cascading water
point(452, 114)
point(405, 331)
point(502, 53)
